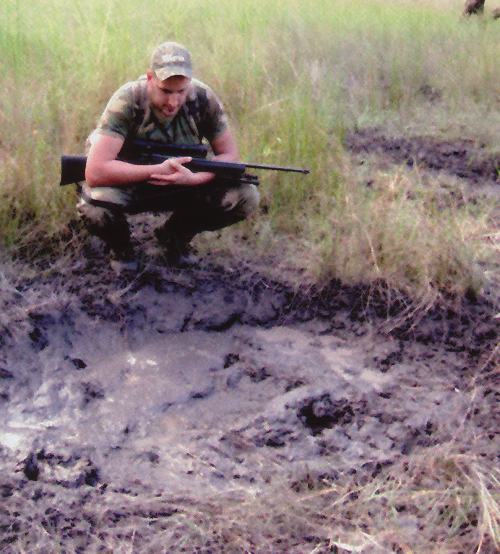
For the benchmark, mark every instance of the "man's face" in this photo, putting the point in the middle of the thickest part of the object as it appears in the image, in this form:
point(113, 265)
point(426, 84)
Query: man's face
point(168, 96)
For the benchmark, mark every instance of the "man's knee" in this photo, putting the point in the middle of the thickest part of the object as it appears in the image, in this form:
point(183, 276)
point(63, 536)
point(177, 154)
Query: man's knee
point(243, 200)
point(94, 217)
point(101, 217)
point(109, 225)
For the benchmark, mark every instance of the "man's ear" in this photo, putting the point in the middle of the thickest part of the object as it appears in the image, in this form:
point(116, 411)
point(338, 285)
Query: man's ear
point(150, 75)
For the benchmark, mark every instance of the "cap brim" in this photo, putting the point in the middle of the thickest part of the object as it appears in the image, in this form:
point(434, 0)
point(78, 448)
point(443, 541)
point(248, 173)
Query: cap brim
point(164, 73)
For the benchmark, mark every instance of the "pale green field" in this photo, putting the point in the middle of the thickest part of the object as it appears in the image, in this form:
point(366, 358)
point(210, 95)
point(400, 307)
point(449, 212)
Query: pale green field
point(295, 77)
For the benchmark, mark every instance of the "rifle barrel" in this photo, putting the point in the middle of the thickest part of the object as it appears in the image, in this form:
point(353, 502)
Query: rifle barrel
point(278, 168)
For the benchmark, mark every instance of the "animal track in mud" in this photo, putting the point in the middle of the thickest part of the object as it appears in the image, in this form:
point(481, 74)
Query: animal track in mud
point(71, 471)
point(322, 413)
point(230, 359)
point(78, 363)
point(91, 392)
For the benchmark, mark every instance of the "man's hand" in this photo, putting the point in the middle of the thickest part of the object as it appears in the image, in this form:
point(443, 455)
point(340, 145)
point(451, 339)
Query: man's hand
point(173, 172)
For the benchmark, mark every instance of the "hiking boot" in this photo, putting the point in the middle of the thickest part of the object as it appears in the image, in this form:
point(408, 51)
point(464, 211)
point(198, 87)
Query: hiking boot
point(176, 249)
point(184, 258)
point(179, 254)
point(123, 262)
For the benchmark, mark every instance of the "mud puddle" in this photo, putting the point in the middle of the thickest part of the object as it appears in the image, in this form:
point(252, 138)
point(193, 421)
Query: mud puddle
point(140, 408)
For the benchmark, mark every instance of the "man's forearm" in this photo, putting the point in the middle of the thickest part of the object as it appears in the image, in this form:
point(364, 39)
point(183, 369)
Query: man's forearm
point(117, 172)
point(202, 177)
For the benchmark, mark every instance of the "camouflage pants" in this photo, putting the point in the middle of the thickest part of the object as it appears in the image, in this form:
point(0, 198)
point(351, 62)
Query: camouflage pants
point(207, 208)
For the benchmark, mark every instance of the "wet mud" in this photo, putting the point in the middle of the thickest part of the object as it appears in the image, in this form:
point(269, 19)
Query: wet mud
point(465, 159)
point(136, 410)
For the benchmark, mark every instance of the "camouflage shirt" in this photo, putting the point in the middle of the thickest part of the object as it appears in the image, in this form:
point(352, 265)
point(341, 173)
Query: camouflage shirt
point(129, 114)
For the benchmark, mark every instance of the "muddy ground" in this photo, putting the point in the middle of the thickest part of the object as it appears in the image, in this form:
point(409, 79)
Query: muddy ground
point(180, 410)
point(464, 158)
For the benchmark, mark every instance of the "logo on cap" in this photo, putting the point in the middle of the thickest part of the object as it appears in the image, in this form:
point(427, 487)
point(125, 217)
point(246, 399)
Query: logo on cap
point(169, 59)
point(172, 59)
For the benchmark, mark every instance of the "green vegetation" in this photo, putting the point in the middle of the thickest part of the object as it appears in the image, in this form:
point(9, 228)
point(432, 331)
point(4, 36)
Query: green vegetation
point(295, 78)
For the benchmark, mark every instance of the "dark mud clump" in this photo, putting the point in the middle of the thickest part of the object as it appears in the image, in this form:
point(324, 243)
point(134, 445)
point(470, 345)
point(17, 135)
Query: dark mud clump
point(462, 158)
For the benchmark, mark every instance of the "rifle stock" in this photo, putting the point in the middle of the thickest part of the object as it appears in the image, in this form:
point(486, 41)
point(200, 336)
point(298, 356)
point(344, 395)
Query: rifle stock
point(72, 169)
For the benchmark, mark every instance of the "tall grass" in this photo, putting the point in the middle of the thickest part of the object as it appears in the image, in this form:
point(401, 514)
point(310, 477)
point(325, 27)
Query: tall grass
point(294, 76)
point(393, 232)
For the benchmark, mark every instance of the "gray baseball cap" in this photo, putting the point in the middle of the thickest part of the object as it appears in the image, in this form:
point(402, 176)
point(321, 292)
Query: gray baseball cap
point(169, 59)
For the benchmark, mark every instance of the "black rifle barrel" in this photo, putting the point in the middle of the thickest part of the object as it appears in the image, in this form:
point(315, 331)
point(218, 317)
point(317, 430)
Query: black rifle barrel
point(278, 168)
point(216, 166)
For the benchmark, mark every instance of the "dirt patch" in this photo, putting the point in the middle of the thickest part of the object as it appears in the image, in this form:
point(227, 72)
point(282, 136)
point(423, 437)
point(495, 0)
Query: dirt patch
point(464, 158)
point(174, 409)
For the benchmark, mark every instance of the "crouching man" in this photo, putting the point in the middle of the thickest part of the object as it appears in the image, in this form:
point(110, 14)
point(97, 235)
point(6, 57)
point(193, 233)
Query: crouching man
point(169, 106)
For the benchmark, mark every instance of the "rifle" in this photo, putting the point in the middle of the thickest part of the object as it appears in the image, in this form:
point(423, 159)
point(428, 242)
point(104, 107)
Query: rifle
point(145, 152)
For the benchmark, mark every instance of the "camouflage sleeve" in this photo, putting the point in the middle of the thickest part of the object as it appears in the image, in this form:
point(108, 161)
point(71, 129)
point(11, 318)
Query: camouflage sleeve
point(214, 121)
point(118, 116)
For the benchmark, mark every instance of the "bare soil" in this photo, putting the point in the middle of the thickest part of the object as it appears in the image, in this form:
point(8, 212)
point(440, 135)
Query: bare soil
point(182, 410)
point(464, 158)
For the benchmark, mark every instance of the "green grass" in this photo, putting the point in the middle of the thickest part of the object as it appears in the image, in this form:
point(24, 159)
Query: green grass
point(295, 77)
